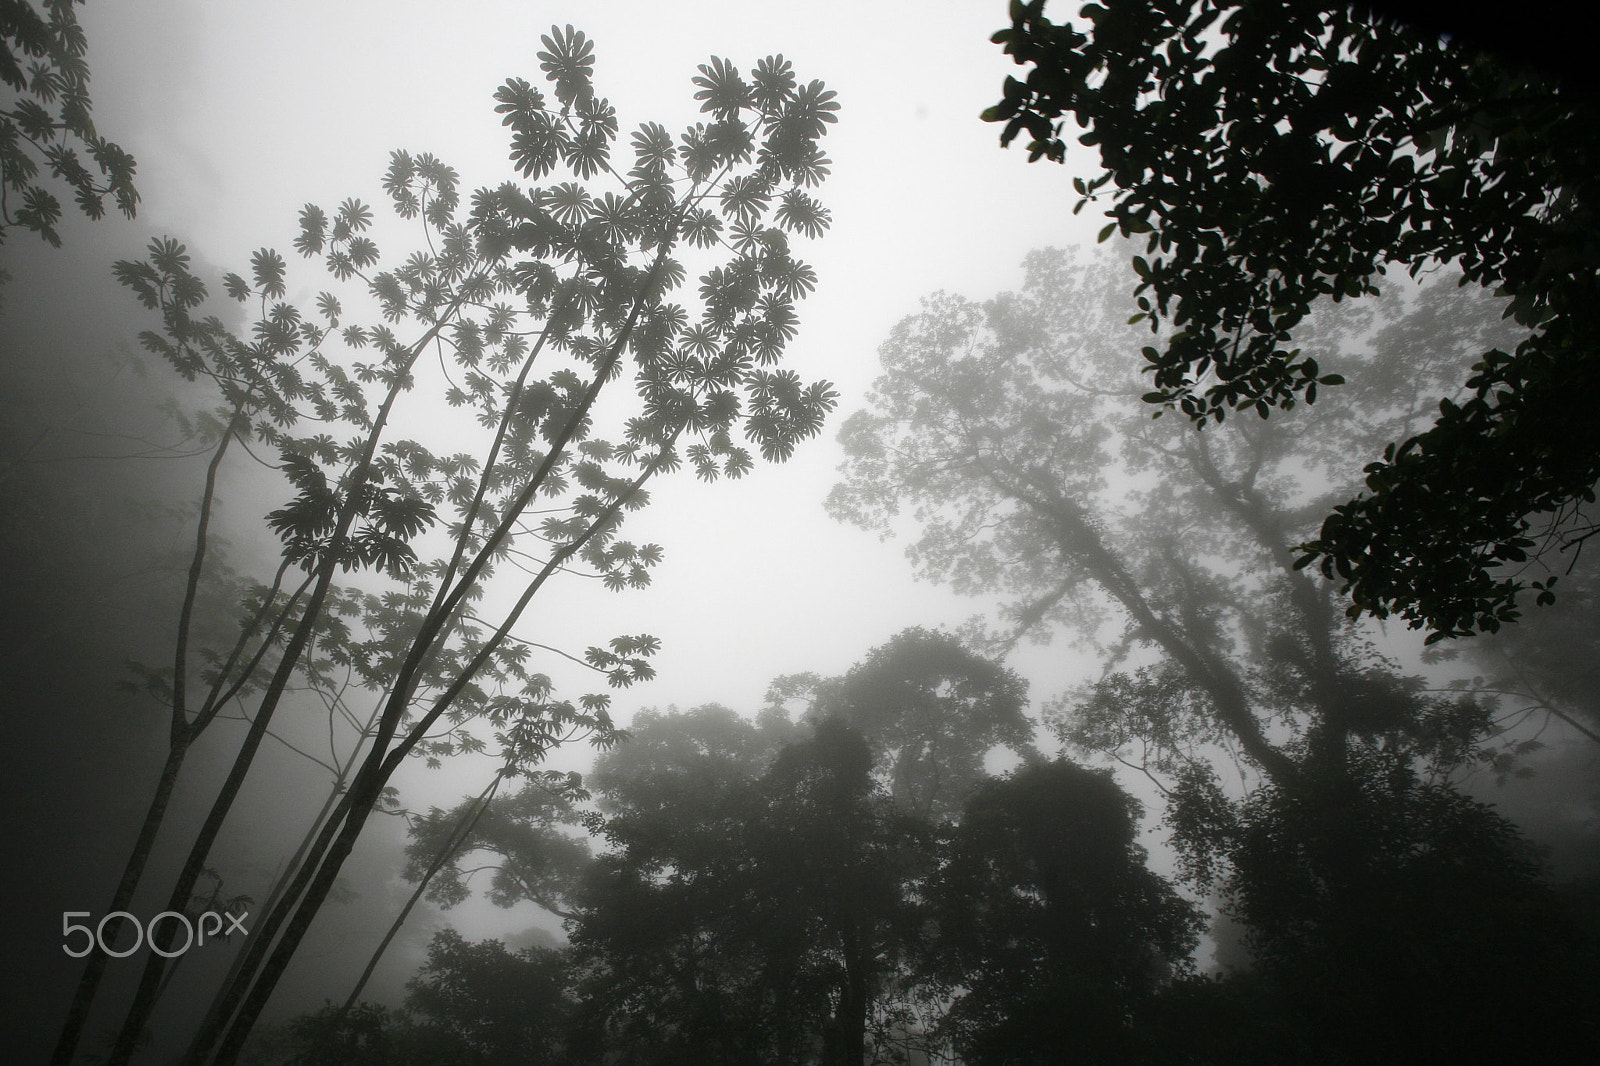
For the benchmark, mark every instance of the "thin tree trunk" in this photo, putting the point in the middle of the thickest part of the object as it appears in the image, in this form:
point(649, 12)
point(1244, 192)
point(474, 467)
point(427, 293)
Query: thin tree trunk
point(457, 838)
point(144, 1000)
point(369, 782)
point(181, 734)
point(280, 882)
point(89, 983)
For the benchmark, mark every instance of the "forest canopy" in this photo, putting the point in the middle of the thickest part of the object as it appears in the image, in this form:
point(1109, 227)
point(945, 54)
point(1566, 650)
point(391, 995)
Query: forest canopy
point(1277, 156)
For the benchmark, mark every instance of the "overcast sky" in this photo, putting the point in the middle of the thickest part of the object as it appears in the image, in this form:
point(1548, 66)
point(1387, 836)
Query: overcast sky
point(241, 113)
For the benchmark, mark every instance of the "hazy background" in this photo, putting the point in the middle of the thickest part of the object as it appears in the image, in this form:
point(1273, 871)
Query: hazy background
point(238, 115)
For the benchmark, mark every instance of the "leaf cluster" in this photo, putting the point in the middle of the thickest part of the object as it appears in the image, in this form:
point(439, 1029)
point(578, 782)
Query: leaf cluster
point(45, 124)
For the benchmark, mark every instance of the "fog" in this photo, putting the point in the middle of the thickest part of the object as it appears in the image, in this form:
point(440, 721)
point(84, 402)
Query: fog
point(238, 119)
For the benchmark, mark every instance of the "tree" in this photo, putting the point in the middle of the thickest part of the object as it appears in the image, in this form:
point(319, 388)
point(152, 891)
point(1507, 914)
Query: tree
point(48, 122)
point(1378, 896)
point(1277, 155)
point(932, 710)
point(1549, 663)
point(1049, 921)
point(490, 1005)
point(536, 860)
point(558, 280)
point(748, 916)
point(1011, 432)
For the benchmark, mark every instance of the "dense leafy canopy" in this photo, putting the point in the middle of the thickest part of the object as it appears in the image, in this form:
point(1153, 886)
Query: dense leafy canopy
point(1050, 920)
point(762, 898)
point(933, 711)
point(1279, 155)
point(45, 119)
point(1011, 431)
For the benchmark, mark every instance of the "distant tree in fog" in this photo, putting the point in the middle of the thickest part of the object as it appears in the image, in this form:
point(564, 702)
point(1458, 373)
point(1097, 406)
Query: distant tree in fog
point(932, 709)
point(1009, 440)
point(529, 304)
point(766, 896)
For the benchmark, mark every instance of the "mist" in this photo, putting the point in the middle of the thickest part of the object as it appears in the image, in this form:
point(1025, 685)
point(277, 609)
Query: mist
point(817, 654)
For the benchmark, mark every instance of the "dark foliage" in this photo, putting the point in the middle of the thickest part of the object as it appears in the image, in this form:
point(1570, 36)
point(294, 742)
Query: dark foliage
point(1050, 921)
point(1278, 155)
point(1397, 920)
point(45, 122)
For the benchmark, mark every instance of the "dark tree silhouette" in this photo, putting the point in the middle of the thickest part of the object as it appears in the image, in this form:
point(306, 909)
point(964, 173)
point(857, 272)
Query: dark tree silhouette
point(1279, 156)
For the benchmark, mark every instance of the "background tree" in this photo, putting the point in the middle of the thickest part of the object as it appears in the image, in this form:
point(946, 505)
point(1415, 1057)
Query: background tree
point(1012, 434)
point(1050, 924)
point(1280, 155)
point(754, 920)
point(933, 710)
point(1549, 662)
point(1380, 896)
point(763, 897)
point(533, 858)
point(591, 292)
point(481, 1003)
point(45, 120)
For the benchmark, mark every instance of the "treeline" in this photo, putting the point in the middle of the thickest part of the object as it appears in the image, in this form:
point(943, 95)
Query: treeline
point(839, 880)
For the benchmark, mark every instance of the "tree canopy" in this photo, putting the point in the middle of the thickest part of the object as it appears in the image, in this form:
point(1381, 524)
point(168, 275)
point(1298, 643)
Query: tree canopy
point(1306, 776)
point(1011, 432)
point(1276, 156)
point(932, 708)
point(46, 121)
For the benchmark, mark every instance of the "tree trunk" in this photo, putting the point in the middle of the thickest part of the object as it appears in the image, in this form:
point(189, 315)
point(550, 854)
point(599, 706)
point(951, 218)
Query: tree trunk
point(89, 983)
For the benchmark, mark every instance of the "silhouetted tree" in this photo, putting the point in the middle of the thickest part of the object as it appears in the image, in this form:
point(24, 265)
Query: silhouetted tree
point(1280, 154)
point(932, 710)
point(45, 122)
point(1049, 923)
point(560, 279)
point(759, 921)
point(1013, 430)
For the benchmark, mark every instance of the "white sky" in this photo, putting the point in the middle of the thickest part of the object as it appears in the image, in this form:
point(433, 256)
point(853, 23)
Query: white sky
point(244, 112)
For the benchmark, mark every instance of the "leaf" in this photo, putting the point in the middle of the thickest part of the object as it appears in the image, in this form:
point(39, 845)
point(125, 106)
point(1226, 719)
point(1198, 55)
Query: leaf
point(568, 62)
point(268, 268)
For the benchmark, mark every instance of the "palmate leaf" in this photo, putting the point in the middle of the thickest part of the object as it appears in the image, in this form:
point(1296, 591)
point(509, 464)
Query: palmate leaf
point(328, 304)
point(652, 146)
point(797, 211)
point(587, 153)
point(267, 267)
point(722, 91)
point(700, 227)
point(40, 211)
point(313, 230)
point(774, 83)
point(730, 141)
point(537, 145)
point(745, 197)
point(569, 203)
point(568, 63)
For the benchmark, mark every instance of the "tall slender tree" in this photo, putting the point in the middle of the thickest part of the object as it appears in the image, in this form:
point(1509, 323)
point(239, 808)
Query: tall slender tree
point(530, 306)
